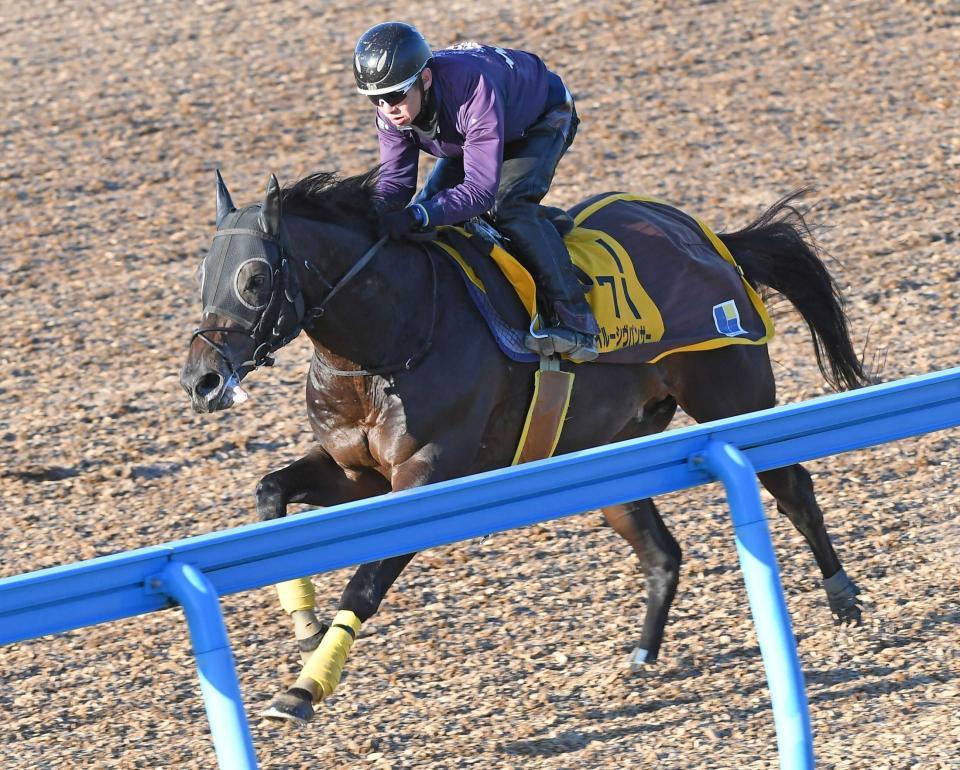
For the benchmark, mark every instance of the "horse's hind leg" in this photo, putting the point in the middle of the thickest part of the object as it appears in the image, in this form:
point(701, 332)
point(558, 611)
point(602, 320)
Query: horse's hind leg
point(639, 523)
point(793, 489)
point(735, 380)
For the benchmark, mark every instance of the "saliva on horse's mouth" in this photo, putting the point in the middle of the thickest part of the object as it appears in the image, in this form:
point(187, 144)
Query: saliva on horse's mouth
point(233, 394)
point(230, 394)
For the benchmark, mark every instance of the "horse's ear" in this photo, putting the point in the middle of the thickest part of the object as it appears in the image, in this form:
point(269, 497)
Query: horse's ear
point(224, 203)
point(270, 213)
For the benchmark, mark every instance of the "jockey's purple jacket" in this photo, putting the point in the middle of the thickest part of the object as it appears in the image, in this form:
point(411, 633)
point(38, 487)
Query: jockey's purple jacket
point(485, 97)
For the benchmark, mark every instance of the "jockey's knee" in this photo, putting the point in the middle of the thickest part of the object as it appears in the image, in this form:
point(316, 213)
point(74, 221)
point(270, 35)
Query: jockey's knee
point(446, 173)
point(516, 210)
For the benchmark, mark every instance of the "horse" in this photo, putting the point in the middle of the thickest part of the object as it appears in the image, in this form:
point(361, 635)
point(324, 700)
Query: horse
point(407, 387)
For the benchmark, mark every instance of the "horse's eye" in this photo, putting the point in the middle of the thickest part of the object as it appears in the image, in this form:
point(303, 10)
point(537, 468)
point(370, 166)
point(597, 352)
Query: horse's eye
point(254, 282)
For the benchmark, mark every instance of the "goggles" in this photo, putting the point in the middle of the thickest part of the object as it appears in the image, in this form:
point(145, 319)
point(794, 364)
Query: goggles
point(392, 98)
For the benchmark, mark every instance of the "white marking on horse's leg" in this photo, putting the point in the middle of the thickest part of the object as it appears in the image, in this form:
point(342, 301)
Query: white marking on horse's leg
point(305, 623)
point(637, 662)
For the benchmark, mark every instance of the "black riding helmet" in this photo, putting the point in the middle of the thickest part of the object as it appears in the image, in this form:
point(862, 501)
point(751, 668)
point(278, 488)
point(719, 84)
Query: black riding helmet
point(389, 57)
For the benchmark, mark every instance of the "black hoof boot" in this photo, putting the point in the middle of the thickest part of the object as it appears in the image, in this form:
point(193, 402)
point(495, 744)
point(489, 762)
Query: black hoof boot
point(295, 705)
point(842, 594)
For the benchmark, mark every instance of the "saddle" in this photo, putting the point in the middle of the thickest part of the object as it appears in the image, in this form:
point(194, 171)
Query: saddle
point(661, 282)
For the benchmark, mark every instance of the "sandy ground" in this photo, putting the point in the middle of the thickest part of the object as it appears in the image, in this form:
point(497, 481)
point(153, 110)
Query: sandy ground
point(508, 653)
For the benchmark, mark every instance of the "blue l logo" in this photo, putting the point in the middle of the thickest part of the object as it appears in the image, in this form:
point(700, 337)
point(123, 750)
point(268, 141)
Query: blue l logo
point(726, 317)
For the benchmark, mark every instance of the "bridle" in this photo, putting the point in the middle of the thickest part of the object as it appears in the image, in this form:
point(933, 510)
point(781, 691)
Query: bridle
point(268, 344)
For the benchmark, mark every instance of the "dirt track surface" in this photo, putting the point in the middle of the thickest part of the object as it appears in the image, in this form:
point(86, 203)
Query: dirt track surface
point(507, 653)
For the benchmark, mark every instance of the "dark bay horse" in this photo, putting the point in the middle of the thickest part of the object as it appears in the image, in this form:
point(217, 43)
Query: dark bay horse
point(407, 386)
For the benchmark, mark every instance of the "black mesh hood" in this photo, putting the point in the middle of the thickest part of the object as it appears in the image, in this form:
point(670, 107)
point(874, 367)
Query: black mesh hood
point(222, 265)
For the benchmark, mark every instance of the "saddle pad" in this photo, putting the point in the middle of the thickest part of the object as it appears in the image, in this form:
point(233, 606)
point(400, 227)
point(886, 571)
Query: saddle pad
point(663, 283)
point(500, 287)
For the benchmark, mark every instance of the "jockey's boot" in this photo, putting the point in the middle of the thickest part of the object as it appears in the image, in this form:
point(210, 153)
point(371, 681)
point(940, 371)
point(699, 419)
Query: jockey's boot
point(573, 332)
point(535, 241)
point(577, 316)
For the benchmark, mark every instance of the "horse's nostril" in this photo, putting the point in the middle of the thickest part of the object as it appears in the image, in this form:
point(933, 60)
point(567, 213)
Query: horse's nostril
point(209, 383)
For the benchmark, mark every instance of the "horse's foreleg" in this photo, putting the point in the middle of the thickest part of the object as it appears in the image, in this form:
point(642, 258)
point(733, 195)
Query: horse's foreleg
point(322, 671)
point(793, 489)
point(314, 479)
point(640, 524)
point(298, 601)
point(360, 601)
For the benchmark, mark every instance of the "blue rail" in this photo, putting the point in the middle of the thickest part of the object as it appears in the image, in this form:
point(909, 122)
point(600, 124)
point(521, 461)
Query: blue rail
point(240, 559)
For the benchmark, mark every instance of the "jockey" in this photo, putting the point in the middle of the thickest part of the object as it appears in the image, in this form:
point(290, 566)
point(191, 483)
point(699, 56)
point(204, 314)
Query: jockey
point(499, 121)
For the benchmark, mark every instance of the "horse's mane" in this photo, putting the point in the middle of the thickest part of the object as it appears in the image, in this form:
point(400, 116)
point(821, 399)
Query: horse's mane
point(325, 195)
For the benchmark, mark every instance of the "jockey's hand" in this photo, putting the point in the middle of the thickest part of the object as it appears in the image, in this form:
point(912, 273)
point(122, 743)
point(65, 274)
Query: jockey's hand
point(400, 223)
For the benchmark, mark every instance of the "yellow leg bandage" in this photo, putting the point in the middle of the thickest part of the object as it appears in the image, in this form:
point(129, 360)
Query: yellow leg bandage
point(296, 594)
point(326, 664)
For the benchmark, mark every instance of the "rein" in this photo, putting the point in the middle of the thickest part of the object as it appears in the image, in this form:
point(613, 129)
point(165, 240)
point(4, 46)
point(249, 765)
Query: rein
point(390, 368)
point(361, 263)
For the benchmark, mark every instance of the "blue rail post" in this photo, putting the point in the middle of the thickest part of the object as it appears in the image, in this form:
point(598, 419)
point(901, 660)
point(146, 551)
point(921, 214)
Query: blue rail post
point(770, 617)
point(218, 676)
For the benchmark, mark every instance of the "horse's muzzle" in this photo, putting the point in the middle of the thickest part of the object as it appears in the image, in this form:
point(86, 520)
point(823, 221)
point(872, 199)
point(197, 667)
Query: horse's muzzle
point(206, 388)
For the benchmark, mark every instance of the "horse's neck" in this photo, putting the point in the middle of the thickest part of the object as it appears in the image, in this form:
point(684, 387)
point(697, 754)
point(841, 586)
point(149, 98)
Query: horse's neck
point(376, 318)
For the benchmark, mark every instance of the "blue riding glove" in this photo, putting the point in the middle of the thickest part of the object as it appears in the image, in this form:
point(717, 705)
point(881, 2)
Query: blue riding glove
point(402, 222)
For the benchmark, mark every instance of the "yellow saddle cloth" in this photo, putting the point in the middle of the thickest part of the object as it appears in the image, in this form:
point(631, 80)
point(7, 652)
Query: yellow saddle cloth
point(662, 282)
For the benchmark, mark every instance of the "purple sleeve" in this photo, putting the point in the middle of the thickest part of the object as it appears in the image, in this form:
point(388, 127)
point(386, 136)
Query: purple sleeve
point(398, 167)
point(482, 121)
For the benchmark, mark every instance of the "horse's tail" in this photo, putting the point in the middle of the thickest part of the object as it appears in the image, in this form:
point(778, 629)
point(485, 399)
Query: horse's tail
point(778, 251)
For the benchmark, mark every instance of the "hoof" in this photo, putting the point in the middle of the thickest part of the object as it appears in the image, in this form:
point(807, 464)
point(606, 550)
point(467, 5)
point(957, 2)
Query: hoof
point(842, 595)
point(847, 611)
point(639, 661)
point(294, 706)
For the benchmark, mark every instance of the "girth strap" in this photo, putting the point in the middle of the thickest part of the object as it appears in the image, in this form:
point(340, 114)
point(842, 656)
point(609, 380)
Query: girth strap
point(548, 410)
